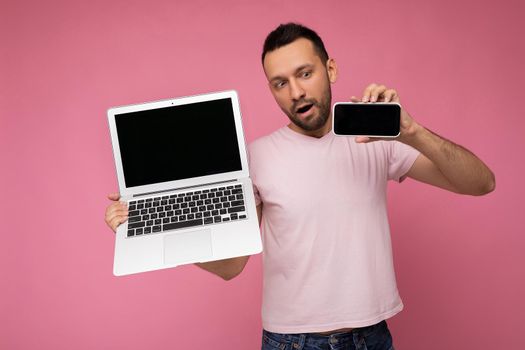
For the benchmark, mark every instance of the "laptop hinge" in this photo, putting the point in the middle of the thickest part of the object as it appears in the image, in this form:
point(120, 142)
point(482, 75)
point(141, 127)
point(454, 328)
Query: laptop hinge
point(183, 188)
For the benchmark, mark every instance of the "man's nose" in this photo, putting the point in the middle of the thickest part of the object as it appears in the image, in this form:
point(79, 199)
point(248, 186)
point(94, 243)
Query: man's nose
point(296, 91)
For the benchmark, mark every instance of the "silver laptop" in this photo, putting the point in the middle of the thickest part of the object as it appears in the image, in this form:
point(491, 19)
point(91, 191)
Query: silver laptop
point(182, 168)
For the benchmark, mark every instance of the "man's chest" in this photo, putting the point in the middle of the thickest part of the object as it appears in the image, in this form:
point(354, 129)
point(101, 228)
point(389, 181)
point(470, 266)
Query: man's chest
point(292, 181)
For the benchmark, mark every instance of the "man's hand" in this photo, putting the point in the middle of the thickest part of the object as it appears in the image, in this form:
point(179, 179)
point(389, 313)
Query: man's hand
point(442, 163)
point(116, 213)
point(380, 93)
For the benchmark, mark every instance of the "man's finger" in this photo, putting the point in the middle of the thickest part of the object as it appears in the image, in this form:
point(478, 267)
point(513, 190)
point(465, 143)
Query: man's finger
point(118, 206)
point(377, 92)
point(354, 99)
point(119, 212)
point(367, 92)
point(117, 221)
point(366, 139)
point(115, 211)
point(389, 95)
point(395, 98)
point(117, 218)
point(362, 139)
point(114, 196)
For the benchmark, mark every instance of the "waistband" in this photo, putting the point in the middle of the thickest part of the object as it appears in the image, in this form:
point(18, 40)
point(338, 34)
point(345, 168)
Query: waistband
point(335, 338)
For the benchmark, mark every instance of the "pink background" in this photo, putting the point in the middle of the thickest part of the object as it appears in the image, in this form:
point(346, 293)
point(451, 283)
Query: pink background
point(458, 66)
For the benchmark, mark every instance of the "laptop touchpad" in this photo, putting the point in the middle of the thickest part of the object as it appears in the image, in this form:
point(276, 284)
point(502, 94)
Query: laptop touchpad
point(187, 246)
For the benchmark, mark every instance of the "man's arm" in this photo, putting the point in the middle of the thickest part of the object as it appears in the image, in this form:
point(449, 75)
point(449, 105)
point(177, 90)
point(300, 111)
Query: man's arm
point(229, 268)
point(441, 163)
point(445, 164)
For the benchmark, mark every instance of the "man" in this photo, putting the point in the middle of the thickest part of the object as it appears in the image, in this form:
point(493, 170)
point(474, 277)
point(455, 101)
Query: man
point(321, 200)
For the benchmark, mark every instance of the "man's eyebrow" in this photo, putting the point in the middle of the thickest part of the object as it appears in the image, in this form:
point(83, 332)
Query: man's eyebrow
point(298, 69)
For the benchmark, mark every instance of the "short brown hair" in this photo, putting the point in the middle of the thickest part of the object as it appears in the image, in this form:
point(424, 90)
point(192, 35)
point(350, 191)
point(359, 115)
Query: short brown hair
point(287, 33)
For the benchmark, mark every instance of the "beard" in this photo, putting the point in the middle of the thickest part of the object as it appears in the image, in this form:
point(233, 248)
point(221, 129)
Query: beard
point(315, 121)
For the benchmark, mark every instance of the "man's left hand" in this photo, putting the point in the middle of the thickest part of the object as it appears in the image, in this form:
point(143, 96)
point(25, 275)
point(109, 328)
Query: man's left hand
point(380, 93)
point(441, 163)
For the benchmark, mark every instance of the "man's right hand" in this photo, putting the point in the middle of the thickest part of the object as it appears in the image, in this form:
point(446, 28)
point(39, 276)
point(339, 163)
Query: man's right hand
point(116, 212)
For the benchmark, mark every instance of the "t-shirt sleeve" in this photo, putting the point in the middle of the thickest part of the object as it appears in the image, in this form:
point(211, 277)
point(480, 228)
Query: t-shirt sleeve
point(400, 160)
point(252, 167)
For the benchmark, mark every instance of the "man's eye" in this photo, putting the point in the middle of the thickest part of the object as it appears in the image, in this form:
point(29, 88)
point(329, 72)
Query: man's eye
point(306, 74)
point(280, 84)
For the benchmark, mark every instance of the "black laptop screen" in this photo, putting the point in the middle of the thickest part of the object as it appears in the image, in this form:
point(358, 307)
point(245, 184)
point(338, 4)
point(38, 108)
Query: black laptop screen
point(178, 142)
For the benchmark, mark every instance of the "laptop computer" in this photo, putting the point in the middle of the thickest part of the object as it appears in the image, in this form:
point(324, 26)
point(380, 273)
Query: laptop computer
point(182, 168)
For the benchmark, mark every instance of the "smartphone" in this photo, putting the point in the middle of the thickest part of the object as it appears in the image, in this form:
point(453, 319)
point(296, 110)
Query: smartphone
point(380, 119)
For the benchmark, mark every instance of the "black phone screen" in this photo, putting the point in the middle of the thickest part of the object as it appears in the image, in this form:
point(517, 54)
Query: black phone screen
point(367, 119)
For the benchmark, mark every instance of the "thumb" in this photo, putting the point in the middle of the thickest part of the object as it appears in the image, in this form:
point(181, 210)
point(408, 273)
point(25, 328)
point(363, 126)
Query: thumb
point(114, 196)
point(367, 139)
point(362, 139)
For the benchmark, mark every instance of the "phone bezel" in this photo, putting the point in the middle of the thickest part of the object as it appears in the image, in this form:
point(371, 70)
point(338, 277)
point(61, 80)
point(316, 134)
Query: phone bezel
point(366, 104)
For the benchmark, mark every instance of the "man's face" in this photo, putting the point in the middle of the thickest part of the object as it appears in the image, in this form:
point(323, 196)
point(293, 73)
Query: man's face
point(300, 83)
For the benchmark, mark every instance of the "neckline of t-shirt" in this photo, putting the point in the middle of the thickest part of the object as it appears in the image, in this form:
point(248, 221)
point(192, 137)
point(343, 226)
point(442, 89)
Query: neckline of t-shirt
point(286, 129)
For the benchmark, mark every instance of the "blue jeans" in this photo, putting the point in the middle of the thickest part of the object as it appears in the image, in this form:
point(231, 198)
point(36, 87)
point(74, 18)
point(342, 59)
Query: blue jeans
point(376, 337)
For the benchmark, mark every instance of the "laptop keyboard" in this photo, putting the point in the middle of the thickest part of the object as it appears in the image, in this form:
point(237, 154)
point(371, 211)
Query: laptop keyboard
point(187, 209)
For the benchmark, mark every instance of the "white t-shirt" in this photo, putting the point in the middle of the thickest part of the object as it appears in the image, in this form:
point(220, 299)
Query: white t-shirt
point(327, 255)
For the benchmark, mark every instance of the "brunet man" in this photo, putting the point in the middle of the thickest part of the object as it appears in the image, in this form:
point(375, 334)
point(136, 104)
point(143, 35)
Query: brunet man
point(321, 200)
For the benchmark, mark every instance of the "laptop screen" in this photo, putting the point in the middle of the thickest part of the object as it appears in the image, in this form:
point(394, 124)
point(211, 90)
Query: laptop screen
point(178, 142)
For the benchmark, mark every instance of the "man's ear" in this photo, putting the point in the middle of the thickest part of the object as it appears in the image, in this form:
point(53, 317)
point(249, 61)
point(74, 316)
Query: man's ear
point(331, 68)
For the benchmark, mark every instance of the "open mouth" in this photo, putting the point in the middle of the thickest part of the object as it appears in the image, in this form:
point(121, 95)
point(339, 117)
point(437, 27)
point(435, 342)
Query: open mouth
point(304, 108)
